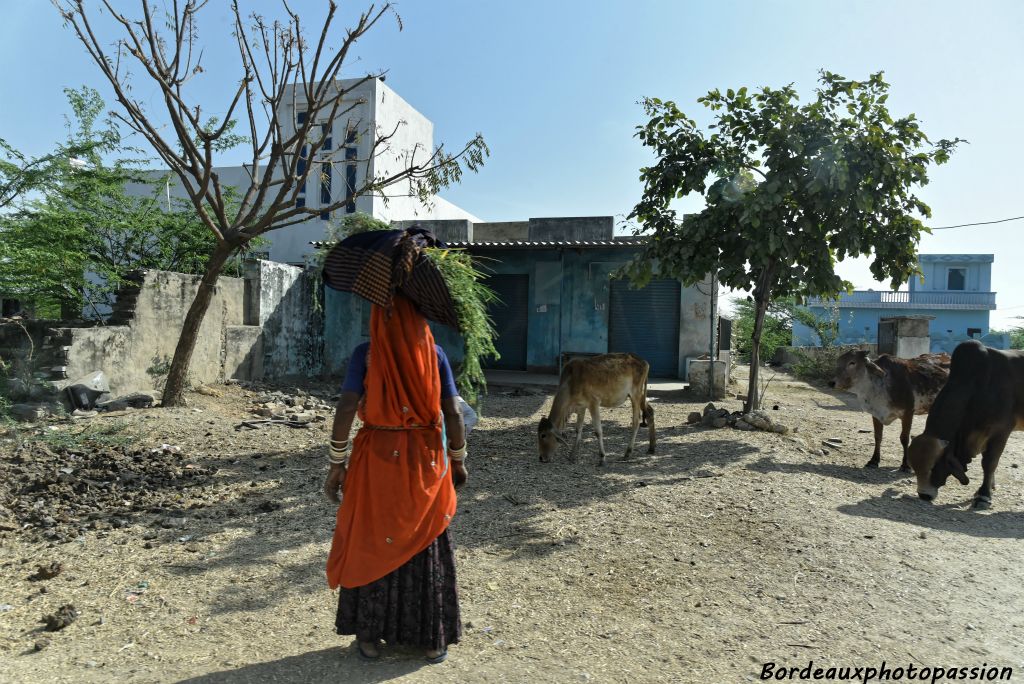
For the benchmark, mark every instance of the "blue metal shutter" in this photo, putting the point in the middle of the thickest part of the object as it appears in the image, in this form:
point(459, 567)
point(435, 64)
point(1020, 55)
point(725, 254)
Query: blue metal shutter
point(646, 322)
point(511, 318)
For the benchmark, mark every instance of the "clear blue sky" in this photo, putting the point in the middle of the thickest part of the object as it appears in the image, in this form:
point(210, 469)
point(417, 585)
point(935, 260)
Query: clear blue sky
point(553, 86)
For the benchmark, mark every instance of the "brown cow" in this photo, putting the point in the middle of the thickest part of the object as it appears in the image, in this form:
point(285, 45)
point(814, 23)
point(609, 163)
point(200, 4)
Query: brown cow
point(891, 388)
point(975, 412)
point(588, 384)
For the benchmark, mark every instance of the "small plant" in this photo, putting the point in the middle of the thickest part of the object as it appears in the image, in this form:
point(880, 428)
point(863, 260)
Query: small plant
point(819, 365)
point(99, 435)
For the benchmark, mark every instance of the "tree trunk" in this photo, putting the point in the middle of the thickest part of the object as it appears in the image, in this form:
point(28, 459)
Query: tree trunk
point(753, 395)
point(762, 298)
point(174, 390)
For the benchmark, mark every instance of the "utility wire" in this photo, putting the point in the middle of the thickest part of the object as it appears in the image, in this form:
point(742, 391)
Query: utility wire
point(979, 223)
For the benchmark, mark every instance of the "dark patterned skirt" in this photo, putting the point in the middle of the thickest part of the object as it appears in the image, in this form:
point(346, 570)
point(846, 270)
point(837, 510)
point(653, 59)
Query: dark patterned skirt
point(417, 605)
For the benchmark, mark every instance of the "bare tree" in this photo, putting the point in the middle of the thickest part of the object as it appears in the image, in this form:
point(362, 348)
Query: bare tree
point(282, 73)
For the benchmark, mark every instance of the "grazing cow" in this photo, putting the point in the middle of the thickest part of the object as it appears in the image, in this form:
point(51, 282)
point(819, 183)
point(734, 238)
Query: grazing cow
point(975, 412)
point(591, 383)
point(891, 388)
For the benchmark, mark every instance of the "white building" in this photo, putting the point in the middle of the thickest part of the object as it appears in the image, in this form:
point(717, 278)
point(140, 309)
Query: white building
point(372, 111)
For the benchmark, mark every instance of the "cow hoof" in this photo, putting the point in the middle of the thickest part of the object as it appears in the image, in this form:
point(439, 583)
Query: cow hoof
point(982, 504)
point(906, 469)
point(651, 450)
point(871, 464)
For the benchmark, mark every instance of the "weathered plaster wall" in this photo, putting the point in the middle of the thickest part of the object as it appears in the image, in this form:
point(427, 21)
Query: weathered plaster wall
point(280, 300)
point(572, 228)
point(448, 230)
point(694, 322)
point(343, 329)
point(501, 231)
point(126, 352)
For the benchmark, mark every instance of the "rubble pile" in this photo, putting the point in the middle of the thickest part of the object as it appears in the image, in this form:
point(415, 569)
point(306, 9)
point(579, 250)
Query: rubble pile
point(714, 417)
point(299, 407)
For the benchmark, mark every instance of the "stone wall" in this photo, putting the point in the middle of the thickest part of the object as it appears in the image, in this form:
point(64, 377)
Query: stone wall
point(262, 326)
point(135, 355)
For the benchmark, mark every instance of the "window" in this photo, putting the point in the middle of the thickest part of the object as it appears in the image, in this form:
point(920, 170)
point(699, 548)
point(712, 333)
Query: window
point(325, 131)
point(325, 183)
point(300, 118)
point(325, 189)
point(350, 188)
point(956, 279)
point(300, 168)
point(971, 332)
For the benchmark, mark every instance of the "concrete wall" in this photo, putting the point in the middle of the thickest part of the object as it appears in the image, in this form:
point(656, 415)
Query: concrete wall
point(126, 352)
point(573, 228)
point(343, 329)
point(448, 230)
point(502, 231)
point(262, 326)
point(280, 301)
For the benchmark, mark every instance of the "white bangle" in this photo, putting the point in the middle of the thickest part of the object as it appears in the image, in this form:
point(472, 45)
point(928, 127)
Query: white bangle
point(339, 456)
point(457, 455)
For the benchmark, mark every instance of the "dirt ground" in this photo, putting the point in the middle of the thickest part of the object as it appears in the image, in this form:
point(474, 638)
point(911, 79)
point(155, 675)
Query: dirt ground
point(723, 551)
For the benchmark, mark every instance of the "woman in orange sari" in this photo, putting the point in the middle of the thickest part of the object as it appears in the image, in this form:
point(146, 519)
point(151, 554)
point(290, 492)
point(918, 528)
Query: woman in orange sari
point(392, 553)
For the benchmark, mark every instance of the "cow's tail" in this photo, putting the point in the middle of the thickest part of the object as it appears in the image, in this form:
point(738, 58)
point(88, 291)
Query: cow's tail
point(645, 408)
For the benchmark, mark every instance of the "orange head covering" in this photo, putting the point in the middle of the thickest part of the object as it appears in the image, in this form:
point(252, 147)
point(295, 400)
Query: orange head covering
point(398, 495)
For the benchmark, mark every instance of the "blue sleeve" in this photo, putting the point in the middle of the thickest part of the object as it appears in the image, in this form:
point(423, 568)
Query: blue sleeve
point(356, 372)
point(444, 368)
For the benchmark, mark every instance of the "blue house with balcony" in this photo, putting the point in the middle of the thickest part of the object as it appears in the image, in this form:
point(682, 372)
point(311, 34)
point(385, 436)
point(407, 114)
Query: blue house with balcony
point(955, 292)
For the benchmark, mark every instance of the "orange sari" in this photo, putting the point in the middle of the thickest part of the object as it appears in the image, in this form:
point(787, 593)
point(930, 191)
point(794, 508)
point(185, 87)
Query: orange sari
point(398, 494)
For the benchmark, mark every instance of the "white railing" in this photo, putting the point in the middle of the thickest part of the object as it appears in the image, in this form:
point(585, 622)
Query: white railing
point(887, 299)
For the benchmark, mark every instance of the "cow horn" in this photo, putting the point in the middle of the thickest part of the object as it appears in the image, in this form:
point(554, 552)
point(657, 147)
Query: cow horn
point(957, 468)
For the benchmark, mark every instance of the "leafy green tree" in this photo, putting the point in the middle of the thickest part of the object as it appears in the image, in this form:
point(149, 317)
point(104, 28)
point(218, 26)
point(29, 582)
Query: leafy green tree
point(74, 242)
point(789, 190)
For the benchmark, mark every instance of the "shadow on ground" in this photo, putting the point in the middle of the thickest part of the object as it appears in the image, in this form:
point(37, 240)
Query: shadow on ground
point(886, 474)
point(950, 517)
point(325, 665)
point(507, 505)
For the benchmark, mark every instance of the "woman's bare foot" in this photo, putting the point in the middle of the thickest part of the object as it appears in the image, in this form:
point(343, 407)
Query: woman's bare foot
point(436, 656)
point(369, 650)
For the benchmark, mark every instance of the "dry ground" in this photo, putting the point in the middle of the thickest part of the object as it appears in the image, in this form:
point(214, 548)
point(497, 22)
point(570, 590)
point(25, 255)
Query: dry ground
point(723, 551)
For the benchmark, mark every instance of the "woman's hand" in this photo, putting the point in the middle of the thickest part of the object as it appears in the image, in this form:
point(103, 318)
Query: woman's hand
point(335, 482)
point(459, 473)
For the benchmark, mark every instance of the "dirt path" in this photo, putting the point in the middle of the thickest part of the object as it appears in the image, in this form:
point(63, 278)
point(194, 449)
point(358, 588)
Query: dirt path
point(724, 551)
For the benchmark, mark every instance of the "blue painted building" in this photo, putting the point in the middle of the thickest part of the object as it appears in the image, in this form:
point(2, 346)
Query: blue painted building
point(554, 277)
point(955, 290)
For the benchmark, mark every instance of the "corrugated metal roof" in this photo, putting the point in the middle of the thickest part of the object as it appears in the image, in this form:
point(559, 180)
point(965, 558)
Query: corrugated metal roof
point(533, 244)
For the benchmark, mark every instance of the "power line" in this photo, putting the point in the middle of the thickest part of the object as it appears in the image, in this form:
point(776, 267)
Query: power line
point(979, 223)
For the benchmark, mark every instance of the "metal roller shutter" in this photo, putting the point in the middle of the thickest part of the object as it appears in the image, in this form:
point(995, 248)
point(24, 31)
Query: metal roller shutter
point(511, 316)
point(646, 322)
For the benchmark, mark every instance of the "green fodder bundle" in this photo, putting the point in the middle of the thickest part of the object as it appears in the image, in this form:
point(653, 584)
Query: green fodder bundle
point(471, 298)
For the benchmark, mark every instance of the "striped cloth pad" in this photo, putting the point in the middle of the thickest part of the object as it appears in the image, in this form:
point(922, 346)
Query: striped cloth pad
point(377, 264)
